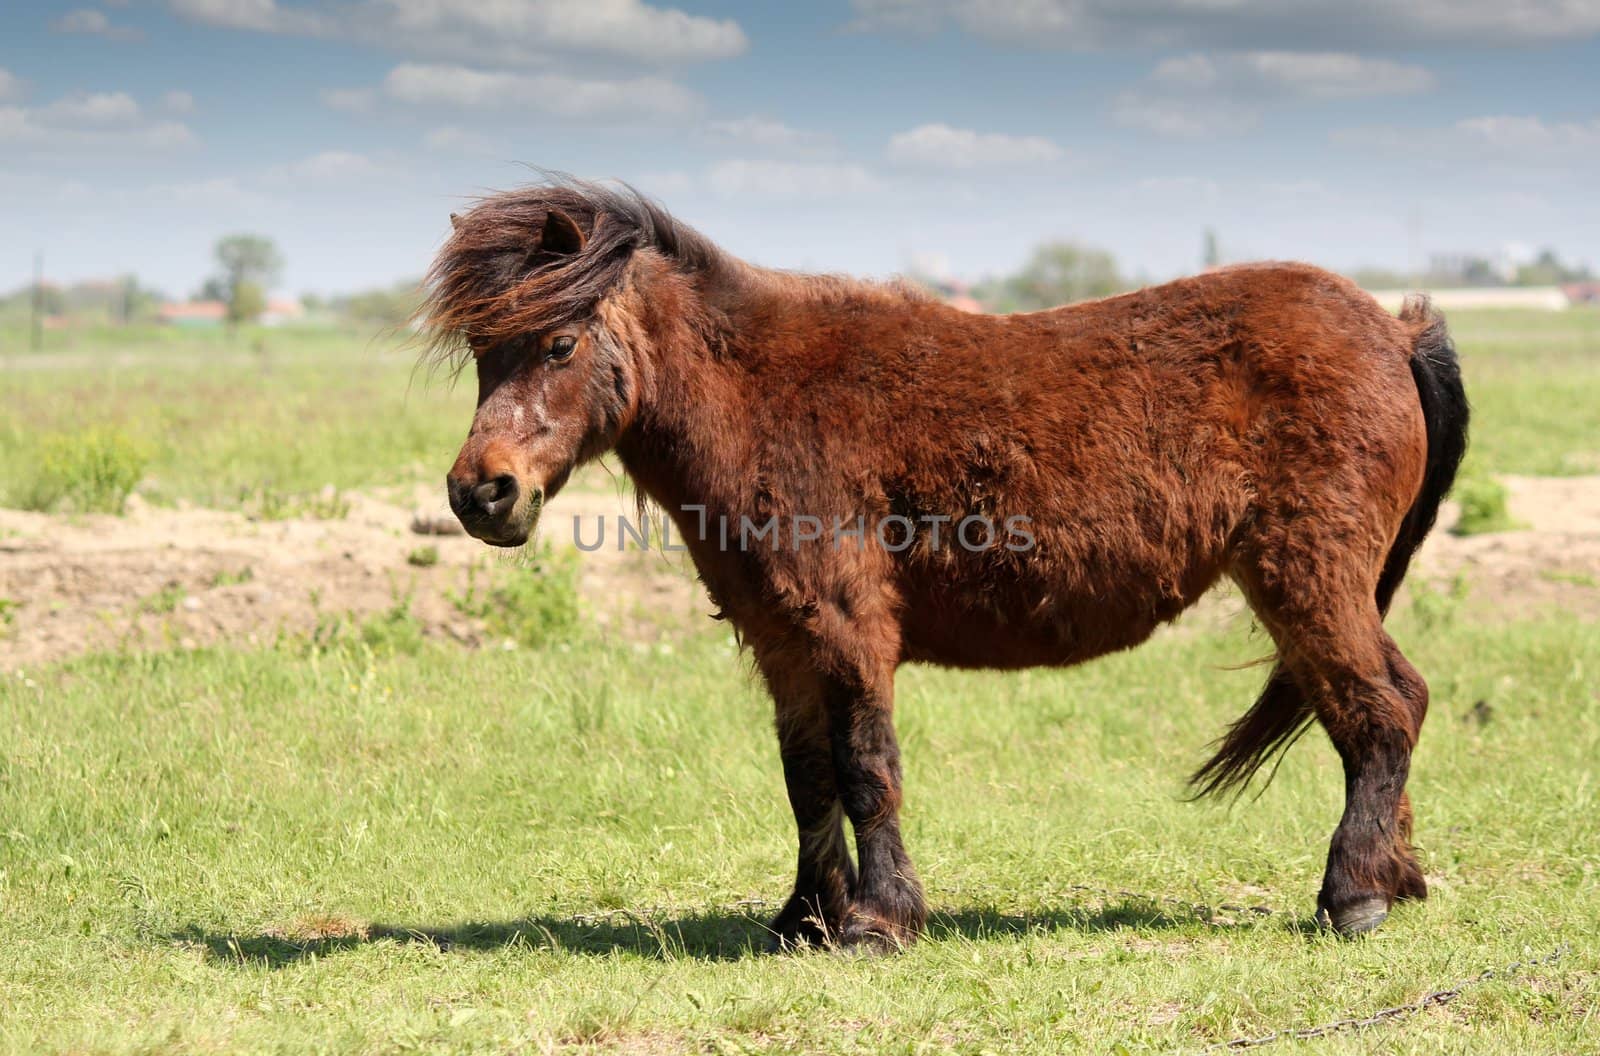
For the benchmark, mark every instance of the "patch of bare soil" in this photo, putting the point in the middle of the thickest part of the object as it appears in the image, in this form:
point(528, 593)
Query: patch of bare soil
point(159, 578)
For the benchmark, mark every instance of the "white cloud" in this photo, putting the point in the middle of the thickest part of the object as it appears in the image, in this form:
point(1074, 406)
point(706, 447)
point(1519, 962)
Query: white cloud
point(72, 126)
point(222, 193)
point(262, 16)
point(328, 167)
point(551, 93)
point(940, 146)
point(1178, 117)
point(178, 102)
point(11, 86)
point(1295, 24)
point(509, 32)
point(350, 100)
point(452, 140)
point(768, 134)
point(1524, 140)
point(790, 179)
point(517, 33)
point(91, 108)
point(1335, 75)
point(93, 23)
point(1201, 94)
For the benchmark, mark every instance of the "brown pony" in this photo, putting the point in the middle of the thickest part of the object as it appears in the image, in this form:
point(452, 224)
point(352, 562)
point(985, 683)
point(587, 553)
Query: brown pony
point(866, 477)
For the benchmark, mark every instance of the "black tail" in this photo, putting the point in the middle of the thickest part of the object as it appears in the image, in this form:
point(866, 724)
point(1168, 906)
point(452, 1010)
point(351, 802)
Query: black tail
point(1437, 373)
point(1282, 713)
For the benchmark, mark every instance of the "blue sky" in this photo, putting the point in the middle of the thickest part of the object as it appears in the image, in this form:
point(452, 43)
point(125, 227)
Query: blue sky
point(872, 137)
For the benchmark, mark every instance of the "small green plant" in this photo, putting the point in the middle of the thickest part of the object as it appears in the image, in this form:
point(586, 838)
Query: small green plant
point(423, 557)
point(90, 471)
point(1434, 608)
point(1483, 507)
point(265, 503)
point(225, 578)
point(393, 631)
point(532, 604)
point(165, 600)
point(8, 613)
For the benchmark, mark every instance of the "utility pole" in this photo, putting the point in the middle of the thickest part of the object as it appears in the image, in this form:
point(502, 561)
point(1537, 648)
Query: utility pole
point(38, 300)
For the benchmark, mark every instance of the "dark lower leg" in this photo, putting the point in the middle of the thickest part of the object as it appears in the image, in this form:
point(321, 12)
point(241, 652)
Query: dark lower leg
point(1366, 871)
point(888, 908)
point(825, 878)
point(1414, 690)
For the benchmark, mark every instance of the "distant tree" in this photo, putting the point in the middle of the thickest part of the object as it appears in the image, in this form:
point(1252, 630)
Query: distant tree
point(389, 306)
point(1211, 254)
point(1380, 279)
point(213, 289)
point(250, 265)
point(136, 301)
point(1057, 273)
point(1548, 269)
point(247, 303)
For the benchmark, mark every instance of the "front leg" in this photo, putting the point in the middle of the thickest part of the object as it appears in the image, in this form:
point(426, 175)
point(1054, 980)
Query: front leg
point(825, 878)
point(889, 910)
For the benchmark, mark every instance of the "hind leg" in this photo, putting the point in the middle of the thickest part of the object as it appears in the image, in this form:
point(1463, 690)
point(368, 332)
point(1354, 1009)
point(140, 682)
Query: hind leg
point(1312, 581)
point(1371, 702)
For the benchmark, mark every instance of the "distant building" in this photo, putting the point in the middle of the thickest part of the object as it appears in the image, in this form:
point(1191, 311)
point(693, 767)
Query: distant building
point(1582, 292)
point(956, 294)
point(193, 314)
point(279, 310)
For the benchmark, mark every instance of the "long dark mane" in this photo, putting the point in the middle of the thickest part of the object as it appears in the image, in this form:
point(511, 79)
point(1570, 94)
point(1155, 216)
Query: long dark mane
point(495, 280)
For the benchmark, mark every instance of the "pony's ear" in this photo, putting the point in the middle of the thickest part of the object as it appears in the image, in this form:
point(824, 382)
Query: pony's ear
point(561, 234)
point(455, 221)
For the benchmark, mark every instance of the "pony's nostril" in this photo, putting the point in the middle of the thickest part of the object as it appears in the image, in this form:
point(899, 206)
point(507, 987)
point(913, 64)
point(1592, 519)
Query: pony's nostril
point(493, 496)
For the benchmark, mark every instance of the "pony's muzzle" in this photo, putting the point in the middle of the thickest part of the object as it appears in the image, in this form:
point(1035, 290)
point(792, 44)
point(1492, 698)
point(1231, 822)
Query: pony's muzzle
point(499, 511)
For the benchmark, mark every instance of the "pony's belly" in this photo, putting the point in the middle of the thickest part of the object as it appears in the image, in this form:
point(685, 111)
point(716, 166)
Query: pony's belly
point(999, 628)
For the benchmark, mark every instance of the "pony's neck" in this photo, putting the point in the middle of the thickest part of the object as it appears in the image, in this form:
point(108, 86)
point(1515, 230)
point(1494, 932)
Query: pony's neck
point(718, 339)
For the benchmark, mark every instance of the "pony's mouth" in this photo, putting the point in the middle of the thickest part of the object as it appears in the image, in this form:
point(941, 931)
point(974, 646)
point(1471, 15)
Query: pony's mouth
point(511, 528)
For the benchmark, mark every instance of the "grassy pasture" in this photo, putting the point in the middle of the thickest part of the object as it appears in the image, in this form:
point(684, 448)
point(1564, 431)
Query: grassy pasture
point(291, 851)
point(377, 844)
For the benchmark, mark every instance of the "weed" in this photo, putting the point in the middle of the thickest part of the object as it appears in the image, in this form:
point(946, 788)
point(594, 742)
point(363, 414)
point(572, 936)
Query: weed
point(423, 557)
point(264, 503)
point(1576, 579)
point(1483, 507)
point(1436, 609)
point(90, 471)
point(225, 578)
point(165, 600)
point(393, 631)
point(532, 604)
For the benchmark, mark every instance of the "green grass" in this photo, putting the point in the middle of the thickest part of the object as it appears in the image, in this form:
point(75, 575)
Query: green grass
point(379, 851)
point(1534, 382)
point(221, 424)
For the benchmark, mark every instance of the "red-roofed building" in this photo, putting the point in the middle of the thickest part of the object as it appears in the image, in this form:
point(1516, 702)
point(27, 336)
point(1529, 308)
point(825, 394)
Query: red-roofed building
point(193, 313)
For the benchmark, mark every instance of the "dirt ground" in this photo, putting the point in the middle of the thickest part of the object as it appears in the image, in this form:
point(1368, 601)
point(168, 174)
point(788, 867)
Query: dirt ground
point(159, 578)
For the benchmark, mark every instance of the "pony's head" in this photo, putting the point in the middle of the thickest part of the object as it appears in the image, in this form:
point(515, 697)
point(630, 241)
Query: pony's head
point(542, 289)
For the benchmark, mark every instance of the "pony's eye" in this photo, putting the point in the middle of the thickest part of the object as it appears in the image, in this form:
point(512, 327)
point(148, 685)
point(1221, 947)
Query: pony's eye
point(561, 349)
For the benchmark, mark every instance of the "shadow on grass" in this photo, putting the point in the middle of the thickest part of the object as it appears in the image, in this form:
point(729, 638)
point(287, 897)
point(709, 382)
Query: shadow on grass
point(716, 935)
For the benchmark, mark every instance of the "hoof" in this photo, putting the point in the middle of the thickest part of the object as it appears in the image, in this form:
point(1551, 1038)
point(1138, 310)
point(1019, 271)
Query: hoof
point(873, 937)
point(1358, 918)
point(798, 927)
